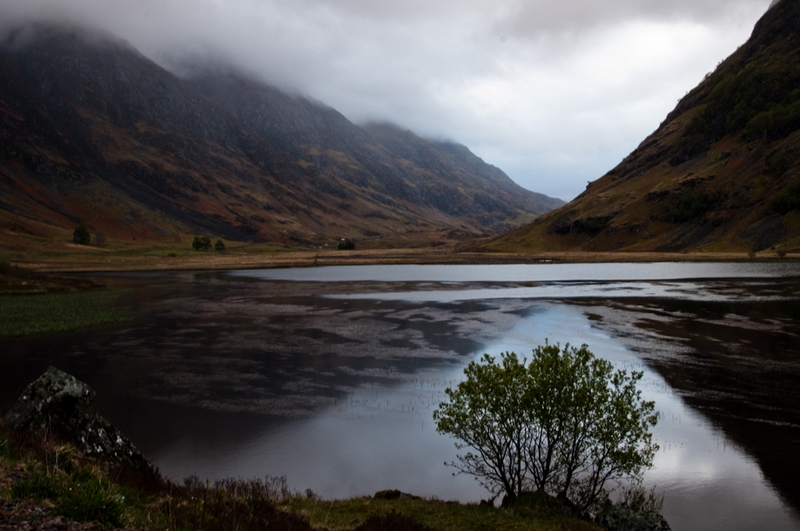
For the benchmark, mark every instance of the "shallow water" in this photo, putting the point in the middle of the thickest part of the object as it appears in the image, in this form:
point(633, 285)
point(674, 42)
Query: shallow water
point(330, 375)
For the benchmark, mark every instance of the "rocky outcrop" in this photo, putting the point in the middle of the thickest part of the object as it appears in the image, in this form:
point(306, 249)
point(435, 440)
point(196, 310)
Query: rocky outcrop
point(61, 407)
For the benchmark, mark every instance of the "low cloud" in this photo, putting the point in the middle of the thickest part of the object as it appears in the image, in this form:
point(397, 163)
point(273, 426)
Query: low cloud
point(555, 93)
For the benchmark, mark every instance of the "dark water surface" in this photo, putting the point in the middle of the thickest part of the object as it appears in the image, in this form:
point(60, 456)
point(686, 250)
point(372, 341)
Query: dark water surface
point(330, 375)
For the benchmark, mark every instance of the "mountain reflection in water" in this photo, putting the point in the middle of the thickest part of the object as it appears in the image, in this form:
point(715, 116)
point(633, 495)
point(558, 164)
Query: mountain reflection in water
point(330, 375)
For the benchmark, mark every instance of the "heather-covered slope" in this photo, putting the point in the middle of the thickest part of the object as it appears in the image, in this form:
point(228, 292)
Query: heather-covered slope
point(94, 133)
point(719, 174)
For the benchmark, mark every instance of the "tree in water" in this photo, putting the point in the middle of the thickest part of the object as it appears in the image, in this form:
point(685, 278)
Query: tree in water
point(566, 424)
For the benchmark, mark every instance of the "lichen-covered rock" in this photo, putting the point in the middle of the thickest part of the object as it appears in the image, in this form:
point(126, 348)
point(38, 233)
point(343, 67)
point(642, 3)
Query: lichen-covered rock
point(61, 407)
point(621, 518)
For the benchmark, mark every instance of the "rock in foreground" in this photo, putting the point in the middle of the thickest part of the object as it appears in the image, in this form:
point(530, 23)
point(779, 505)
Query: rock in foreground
point(61, 407)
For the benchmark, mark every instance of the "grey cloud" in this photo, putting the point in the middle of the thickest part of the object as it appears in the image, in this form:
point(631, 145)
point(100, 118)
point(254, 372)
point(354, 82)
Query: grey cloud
point(551, 91)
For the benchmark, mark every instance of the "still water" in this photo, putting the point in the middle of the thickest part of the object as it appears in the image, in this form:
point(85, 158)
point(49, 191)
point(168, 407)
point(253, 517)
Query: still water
point(330, 375)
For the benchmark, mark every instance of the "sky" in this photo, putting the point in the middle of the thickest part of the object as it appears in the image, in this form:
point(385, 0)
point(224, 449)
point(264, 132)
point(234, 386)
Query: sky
point(553, 92)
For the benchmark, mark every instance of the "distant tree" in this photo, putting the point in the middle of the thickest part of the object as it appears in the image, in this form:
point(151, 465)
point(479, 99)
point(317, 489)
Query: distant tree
point(81, 236)
point(219, 246)
point(566, 424)
point(781, 253)
point(345, 245)
point(201, 243)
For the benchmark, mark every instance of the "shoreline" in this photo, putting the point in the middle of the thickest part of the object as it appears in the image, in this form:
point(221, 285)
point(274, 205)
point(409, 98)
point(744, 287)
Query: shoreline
point(110, 261)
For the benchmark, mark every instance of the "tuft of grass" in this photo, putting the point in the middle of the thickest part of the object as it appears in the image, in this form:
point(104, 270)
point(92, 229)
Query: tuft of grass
point(343, 515)
point(43, 313)
point(91, 500)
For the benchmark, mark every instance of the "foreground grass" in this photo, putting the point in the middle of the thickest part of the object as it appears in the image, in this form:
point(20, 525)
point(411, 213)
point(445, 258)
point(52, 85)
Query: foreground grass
point(342, 515)
point(60, 312)
point(58, 480)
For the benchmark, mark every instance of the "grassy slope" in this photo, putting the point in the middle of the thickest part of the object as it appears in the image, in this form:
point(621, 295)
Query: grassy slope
point(712, 177)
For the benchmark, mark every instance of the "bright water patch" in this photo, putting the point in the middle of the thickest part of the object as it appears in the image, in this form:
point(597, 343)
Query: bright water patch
point(528, 272)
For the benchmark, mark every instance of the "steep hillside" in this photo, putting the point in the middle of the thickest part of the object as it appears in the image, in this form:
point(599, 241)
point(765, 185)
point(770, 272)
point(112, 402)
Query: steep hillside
point(720, 173)
point(94, 133)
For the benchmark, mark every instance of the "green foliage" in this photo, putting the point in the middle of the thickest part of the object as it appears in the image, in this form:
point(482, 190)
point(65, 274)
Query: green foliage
point(489, 411)
point(219, 246)
point(81, 236)
point(201, 243)
point(230, 504)
point(90, 500)
point(59, 312)
point(776, 164)
point(391, 521)
point(788, 199)
point(82, 499)
point(591, 226)
point(39, 486)
point(345, 245)
point(343, 515)
point(759, 101)
point(641, 500)
point(777, 122)
point(566, 424)
point(692, 204)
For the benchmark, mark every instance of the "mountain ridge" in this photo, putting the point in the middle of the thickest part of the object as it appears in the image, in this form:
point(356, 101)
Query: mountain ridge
point(719, 174)
point(95, 133)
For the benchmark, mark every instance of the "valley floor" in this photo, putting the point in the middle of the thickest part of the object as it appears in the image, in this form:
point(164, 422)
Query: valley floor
point(252, 257)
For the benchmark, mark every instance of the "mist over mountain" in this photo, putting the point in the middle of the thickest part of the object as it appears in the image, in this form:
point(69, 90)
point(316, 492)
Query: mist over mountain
point(721, 173)
point(95, 133)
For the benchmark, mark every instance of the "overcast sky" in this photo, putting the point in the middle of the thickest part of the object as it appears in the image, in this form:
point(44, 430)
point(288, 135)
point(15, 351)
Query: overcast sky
point(554, 92)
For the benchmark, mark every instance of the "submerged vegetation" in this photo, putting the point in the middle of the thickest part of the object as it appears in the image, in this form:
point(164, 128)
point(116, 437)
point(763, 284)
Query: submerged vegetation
point(27, 314)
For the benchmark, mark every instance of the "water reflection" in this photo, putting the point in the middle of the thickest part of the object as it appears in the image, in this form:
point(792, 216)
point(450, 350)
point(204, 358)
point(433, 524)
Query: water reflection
point(330, 375)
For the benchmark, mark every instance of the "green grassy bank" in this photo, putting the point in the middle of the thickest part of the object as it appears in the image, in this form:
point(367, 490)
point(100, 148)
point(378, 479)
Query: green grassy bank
point(38, 313)
point(53, 481)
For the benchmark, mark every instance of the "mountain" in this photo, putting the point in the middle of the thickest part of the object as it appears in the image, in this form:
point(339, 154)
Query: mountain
point(719, 174)
point(94, 133)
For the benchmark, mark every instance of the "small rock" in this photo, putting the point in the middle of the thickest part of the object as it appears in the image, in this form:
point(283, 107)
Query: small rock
point(393, 495)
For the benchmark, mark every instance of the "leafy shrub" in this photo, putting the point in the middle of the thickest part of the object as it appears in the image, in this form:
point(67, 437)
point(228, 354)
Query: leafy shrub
point(776, 164)
point(88, 501)
point(81, 236)
point(345, 245)
point(788, 199)
point(591, 226)
point(759, 102)
point(81, 499)
point(692, 204)
point(201, 243)
point(219, 246)
point(566, 424)
point(38, 486)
